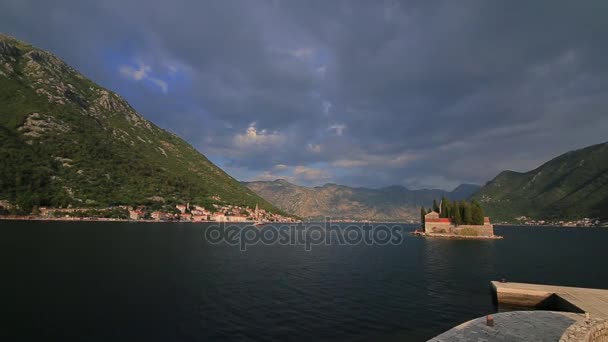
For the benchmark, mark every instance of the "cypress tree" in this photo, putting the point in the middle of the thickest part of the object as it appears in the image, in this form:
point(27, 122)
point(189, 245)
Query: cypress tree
point(422, 213)
point(457, 214)
point(467, 217)
point(448, 208)
point(443, 207)
point(477, 213)
point(461, 207)
point(435, 206)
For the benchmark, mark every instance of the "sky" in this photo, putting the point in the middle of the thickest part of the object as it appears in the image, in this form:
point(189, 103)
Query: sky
point(423, 94)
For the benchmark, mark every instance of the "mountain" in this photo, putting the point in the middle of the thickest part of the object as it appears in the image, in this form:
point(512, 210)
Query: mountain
point(571, 186)
point(343, 202)
point(64, 140)
point(464, 191)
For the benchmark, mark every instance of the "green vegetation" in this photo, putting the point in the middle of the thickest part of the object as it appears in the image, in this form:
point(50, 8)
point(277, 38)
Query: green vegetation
point(572, 186)
point(457, 212)
point(116, 213)
point(435, 206)
point(66, 141)
point(422, 213)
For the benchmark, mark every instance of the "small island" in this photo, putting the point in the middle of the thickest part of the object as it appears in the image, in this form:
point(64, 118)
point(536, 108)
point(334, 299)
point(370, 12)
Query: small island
point(458, 219)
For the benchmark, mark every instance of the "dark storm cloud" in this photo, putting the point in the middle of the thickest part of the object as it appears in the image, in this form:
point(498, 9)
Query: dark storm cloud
point(419, 93)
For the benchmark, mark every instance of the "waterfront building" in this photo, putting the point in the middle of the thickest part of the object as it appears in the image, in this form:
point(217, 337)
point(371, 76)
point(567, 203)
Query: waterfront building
point(433, 224)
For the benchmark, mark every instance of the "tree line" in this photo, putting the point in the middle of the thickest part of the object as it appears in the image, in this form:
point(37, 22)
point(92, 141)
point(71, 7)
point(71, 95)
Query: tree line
point(461, 212)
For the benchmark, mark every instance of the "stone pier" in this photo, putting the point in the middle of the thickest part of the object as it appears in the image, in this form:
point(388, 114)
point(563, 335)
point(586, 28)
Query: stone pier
point(562, 298)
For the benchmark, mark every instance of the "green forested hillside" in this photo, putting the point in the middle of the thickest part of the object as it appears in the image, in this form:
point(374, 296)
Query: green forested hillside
point(571, 186)
point(65, 140)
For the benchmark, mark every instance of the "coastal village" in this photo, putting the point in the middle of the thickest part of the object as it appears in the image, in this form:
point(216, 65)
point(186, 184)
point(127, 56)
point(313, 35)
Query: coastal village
point(179, 213)
point(195, 213)
point(231, 213)
point(584, 222)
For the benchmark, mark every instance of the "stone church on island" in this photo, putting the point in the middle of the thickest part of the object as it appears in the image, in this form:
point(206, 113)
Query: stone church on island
point(433, 224)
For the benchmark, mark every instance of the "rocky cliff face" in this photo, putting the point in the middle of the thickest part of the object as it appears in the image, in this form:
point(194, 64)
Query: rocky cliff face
point(343, 202)
point(67, 141)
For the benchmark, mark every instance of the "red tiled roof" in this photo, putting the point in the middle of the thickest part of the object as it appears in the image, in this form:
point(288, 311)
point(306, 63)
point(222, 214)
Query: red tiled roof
point(442, 219)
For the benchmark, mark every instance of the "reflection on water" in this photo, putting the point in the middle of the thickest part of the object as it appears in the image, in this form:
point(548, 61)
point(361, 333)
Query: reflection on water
point(124, 281)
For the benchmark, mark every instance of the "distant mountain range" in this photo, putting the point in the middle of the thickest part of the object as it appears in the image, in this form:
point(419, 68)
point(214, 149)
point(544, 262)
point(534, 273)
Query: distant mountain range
point(343, 202)
point(571, 186)
point(64, 140)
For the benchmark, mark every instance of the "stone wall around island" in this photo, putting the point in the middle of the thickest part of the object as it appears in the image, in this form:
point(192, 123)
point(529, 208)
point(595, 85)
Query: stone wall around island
point(449, 228)
point(481, 230)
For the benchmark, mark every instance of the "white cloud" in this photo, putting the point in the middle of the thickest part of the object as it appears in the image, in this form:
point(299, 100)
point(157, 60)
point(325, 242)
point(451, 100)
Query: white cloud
point(269, 176)
point(337, 128)
point(400, 159)
point(297, 175)
point(321, 70)
point(254, 138)
point(326, 107)
point(172, 69)
point(142, 73)
point(394, 160)
point(346, 163)
point(161, 84)
point(304, 53)
point(315, 148)
point(310, 174)
point(281, 167)
point(135, 74)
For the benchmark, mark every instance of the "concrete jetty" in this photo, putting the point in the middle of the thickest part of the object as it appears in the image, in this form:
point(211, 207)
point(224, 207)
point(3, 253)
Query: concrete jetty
point(562, 298)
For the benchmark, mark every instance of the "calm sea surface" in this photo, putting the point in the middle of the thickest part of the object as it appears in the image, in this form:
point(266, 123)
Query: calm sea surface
point(100, 281)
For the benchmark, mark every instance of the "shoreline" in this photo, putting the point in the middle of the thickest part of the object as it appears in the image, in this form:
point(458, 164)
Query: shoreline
point(512, 225)
point(454, 236)
point(94, 219)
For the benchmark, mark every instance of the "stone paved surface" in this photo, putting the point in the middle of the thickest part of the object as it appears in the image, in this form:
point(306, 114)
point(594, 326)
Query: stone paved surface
point(514, 326)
